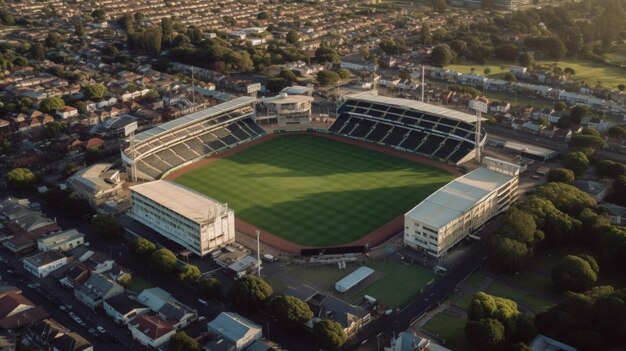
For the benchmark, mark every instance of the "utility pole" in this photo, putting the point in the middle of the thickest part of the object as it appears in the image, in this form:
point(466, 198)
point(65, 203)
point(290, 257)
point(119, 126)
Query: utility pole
point(422, 82)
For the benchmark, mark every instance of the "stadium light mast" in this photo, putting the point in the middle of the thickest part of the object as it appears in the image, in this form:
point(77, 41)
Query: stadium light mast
point(258, 252)
point(479, 107)
point(129, 131)
point(422, 82)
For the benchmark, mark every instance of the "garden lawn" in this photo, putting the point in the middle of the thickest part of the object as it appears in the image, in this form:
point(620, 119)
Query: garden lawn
point(401, 282)
point(315, 191)
point(529, 300)
point(448, 328)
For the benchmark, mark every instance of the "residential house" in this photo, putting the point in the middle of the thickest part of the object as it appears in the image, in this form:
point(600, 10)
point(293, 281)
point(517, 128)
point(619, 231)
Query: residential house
point(75, 275)
point(62, 241)
point(44, 263)
point(67, 112)
point(408, 341)
point(597, 190)
point(544, 343)
point(167, 307)
point(234, 330)
point(71, 341)
point(99, 262)
point(51, 335)
point(151, 331)
point(499, 107)
point(122, 309)
point(96, 289)
point(97, 183)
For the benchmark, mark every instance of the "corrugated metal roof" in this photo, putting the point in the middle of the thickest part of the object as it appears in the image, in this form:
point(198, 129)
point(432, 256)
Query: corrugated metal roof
point(353, 278)
point(456, 197)
point(195, 117)
point(415, 105)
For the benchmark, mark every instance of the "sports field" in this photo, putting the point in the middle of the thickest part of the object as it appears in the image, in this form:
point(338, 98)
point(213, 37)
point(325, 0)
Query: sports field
point(314, 191)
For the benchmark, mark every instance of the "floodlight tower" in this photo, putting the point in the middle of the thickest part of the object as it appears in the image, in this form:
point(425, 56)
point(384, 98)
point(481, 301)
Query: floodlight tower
point(479, 107)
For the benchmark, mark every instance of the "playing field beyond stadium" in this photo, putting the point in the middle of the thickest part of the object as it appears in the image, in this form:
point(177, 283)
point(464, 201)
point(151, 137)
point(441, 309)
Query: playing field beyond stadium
point(314, 191)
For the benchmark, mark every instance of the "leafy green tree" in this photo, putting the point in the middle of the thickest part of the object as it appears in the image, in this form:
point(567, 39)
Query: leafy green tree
point(152, 39)
point(520, 329)
point(125, 280)
point(105, 226)
point(210, 288)
point(94, 92)
point(190, 274)
point(556, 225)
point(509, 77)
point(183, 342)
point(98, 14)
point(577, 113)
point(327, 54)
point(250, 292)
point(618, 132)
point(344, 73)
point(575, 273)
point(163, 260)
point(484, 305)
point(276, 84)
point(20, 61)
point(79, 30)
point(507, 52)
point(291, 311)
point(51, 104)
point(21, 178)
point(610, 169)
point(329, 334)
point(262, 15)
point(559, 106)
point(562, 175)
point(426, 38)
point(6, 17)
point(293, 37)
point(565, 197)
point(38, 52)
point(621, 87)
point(53, 39)
point(288, 75)
point(485, 334)
point(439, 5)
point(521, 226)
point(142, 247)
point(509, 255)
point(442, 55)
point(327, 77)
point(5, 146)
point(590, 131)
point(487, 71)
point(527, 60)
point(577, 162)
point(53, 129)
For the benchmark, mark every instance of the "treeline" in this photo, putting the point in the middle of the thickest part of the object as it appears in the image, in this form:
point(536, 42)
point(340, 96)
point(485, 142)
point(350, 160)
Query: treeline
point(588, 27)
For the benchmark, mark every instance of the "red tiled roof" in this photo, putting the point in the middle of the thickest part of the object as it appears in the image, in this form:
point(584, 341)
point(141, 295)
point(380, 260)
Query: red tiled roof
point(152, 326)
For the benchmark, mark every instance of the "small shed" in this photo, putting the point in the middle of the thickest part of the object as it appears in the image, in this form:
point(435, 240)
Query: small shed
point(352, 279)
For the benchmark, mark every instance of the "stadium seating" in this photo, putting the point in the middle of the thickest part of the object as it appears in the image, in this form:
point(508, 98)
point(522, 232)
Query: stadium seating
point(426, 133)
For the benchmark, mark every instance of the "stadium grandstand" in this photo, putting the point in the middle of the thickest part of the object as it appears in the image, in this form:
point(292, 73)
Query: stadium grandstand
point(409, 125)
point(156, 151)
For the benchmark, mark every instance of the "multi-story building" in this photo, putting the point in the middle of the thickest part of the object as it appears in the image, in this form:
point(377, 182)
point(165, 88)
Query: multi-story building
point(44, 263)
point(63, 241)
point(461, 207)
point(194, 221)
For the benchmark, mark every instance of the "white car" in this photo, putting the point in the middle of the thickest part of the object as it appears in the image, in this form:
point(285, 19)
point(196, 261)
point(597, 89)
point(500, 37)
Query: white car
point(101, 330)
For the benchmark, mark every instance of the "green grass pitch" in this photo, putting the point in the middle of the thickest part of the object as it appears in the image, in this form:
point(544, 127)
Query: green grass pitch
point(315, 191)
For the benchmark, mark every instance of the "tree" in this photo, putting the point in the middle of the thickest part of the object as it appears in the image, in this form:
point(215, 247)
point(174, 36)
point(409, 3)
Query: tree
point(527, 59)
point(292, 37)
point(53, 39)
point(484, 305)
point(570, 71)
point(577, 162)
point(621, 87)
point(51, 104)
point(559, 106)
point(326, 54)
point(442, 55)
point(5, 146)
point(183, 342)
point(344, 73)
point(426, 38)
point(585, 143)
point(210, 288)
point(38, 52)
point(509, 77)
point(262, 15)
point(125, 280)
point(589, 131)
point(509, 255)
point(565, 197)
point(288, 75)
point(618, 132)
point(577, 113)
point(276, 84)
point(163, 260)
point(440, 6)
point(575, 273)
point(98, 14)
point(142, 247)
point(364, 53)
point(520, 225)
point(329, 334)
point(562, 175)
point(190, 274)
point(485, 334)
point(6, 17)
point(152, 39)
point(79, 30)
point(105, 226)
point(249, 292)
point(291, 311)
point(327, 77)
point(20, 61)
point(94, 92)
point(53, 129)
point(608, 168)
point(507, 52)
point(20, 178)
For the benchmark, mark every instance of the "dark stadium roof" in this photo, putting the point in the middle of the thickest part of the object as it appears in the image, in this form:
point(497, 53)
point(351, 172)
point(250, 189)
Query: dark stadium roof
point(195, 117)
point(415, 105)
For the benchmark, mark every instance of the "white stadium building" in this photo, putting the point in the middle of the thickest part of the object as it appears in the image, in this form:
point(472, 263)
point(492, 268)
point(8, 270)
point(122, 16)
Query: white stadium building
point(437, 132)
point(153, 153)
point(192, 220)
point(461, 207)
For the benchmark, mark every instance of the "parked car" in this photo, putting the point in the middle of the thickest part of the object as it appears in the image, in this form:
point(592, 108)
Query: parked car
point(101, 329)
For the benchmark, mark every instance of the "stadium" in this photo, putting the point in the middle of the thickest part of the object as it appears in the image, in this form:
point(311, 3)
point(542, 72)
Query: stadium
point(345, 187)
